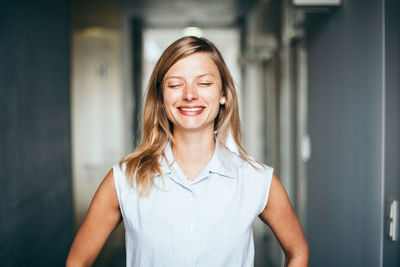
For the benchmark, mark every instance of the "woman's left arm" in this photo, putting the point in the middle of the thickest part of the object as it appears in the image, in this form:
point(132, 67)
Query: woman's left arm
point(279, 215)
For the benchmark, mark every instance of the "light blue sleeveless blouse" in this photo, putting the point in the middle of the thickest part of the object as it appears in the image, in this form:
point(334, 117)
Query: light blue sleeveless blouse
point(203, 223)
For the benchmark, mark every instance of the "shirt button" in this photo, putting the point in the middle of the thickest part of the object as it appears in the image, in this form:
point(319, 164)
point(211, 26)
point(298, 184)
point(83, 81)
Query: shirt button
point(190, 258)
point(192, 227)
point(192, 199)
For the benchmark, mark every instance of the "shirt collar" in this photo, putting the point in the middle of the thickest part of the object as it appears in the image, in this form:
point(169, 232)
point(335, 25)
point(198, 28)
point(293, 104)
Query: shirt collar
point(220, 163)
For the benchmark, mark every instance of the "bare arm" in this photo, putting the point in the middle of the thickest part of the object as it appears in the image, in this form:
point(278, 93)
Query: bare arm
point(279, 215)
point(102, 218)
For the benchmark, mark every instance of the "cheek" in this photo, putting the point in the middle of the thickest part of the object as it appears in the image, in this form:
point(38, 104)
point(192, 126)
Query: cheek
point(168, 104)
point(170, 97)
point(214, 98)
point(167, 101)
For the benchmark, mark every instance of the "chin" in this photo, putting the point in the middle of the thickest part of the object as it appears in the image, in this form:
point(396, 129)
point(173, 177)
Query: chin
point(191, 126)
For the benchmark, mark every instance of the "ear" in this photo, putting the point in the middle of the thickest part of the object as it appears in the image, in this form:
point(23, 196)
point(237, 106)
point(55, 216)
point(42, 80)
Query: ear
point(222, 100)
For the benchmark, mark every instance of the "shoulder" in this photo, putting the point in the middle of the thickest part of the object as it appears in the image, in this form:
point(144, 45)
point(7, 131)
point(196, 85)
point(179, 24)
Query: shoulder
point(257, 174)
point(246, 168)
point(231, 158)
point(120, 179)
point(119, 168)
point(250, 165)
point(256, 177)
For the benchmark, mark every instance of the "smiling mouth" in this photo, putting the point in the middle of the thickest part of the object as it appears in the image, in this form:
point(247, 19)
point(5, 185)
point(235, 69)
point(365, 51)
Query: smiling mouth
point(191, 111)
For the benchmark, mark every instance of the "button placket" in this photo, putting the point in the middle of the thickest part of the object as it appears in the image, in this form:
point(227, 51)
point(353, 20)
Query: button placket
point(192, 227)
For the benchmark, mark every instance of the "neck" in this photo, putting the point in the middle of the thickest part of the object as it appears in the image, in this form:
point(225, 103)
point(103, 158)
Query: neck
point(193, 149)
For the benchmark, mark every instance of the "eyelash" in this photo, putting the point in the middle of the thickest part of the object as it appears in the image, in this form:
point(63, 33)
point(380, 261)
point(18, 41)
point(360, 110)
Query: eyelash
point(177, 85)
point(173, 85)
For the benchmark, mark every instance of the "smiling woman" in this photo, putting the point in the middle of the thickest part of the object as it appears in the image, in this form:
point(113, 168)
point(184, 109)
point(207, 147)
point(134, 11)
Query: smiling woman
point(193, 93)
point(185, 199)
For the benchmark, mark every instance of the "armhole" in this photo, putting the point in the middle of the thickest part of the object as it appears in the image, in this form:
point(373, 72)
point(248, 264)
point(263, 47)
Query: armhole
point(119, 178)
point(267, 187)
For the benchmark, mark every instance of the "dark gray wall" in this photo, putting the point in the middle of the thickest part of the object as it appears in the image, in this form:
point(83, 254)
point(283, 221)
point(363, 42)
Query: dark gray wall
point(344, 213)
point(35, 172)
point(391, 250)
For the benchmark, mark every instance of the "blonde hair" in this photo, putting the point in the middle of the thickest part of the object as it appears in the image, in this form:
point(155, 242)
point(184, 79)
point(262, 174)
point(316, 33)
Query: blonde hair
point(143, 163)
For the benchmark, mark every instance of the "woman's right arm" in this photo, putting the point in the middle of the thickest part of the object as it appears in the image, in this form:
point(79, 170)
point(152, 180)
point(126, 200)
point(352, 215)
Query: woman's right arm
point(102, 218)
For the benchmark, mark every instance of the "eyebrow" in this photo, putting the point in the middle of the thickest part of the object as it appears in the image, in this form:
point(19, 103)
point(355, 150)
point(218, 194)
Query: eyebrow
point(180, 77)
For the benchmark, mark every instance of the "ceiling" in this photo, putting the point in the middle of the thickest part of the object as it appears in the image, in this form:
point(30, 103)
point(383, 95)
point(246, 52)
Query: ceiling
point(183, 13)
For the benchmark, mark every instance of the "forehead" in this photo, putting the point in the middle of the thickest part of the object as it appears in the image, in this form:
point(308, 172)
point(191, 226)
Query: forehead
point(197, 64)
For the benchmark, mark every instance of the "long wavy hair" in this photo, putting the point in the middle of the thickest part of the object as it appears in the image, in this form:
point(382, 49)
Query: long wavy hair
point(143, 163)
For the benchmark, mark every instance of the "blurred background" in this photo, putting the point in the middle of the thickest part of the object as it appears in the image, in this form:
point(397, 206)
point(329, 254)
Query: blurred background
point(319, 91)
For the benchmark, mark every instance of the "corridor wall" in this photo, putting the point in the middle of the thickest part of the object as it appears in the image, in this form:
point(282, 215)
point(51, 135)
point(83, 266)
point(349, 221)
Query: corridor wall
point(345, 184)
point(35, 165)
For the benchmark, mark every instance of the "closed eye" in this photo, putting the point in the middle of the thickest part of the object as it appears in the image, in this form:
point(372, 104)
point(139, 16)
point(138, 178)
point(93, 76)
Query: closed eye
point(173, 85)
point(205, 84)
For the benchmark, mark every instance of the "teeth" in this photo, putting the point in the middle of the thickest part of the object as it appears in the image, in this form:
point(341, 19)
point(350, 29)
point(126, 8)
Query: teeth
point(191, 109)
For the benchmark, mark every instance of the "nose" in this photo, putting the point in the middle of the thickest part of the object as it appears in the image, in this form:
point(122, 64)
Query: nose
point(190, 92)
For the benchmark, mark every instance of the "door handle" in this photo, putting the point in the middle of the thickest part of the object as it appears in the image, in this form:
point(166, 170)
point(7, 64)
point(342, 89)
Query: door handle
point(394, 221)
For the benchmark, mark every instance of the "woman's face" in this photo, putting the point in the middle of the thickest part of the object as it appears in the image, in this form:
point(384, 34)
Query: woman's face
point(193, 93)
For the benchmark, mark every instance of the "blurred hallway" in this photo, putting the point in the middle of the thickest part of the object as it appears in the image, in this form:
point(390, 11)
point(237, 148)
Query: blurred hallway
point(319, 96)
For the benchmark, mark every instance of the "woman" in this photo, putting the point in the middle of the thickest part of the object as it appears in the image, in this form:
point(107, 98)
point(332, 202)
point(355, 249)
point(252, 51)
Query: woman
point(185, 199)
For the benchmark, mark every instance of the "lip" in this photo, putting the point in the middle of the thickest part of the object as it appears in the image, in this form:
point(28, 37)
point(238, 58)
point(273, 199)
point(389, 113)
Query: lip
point(187, 110)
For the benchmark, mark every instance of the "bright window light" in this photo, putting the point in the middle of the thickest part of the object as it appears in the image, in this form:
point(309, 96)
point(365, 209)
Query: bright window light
point(192, 31)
